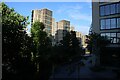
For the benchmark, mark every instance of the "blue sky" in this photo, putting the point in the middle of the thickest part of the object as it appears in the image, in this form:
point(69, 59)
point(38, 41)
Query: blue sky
point(78, 13)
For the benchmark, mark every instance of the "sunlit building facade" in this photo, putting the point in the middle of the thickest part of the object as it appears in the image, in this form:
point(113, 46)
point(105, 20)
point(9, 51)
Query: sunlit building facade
point(82, 38)
point(79, 37)
point(72, 28)
point(54, 27)
point(62, 27)
point(45, 16)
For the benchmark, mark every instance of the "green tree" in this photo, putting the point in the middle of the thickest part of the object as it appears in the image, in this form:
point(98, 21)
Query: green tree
point(40, 38)
point(42, 52)
point(71, 46)
point(16, 45)
point(95, 43)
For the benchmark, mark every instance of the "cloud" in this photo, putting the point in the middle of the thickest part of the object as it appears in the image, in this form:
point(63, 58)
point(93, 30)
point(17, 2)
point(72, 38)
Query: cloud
point(65, 8)
point(75, 12)
point(79, 16)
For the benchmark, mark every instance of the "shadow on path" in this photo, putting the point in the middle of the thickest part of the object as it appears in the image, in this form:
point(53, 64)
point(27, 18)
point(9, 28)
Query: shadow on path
point(75, 71)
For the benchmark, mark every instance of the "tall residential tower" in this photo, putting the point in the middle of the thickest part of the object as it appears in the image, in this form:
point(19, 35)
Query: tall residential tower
point(62, 27)
point(45, 16)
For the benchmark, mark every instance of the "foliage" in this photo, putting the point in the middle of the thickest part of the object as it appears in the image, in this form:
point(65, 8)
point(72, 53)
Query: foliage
point(95, 39)
point(22, 53)
point(70, 47)
point(42, 49)
point(41, 40)
point(95, 44)
point(16, 46)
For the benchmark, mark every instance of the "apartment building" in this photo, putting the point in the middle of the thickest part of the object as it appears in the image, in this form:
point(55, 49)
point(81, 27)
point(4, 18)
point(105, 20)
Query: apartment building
point(54, 27)
point(62, 27)
point(106, 21)
point(45, 16)
point(84, 44)
point(82, 38)
point(72, 28)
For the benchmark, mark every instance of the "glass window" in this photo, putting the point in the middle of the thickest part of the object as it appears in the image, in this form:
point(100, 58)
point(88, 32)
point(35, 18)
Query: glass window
point(107, 10)
point(102, 34)
point(118, 22)
point(113, 37)
point(102, 23)
point(48, 28)
point(118, 37)
point(108, 35)
point(112, 7)
point(113, 23)
point(47, 22)
point(118, 8)
point(107, 23)
point(102, 11)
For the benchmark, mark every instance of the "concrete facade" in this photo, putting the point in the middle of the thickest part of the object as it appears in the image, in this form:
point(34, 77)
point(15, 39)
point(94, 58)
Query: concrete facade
point(106, 20)
point(95, 17)
point(45, 16)
point(62, 27)
point(81, 38)
point(72, 28)
point(54, 27)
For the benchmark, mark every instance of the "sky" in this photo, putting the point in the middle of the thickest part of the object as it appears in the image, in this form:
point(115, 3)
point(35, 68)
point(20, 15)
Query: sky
point(78, 13)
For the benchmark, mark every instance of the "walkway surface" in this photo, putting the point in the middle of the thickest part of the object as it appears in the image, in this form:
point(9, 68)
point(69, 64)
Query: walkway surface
point(74, 71)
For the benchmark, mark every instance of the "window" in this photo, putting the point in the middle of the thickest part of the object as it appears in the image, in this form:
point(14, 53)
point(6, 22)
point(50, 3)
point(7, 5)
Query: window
point(112, 7)
point(48, 28)
point(47, 22)
point(113, 23)
point(110, 23)
point(118, 22)
point(108, 35)
point(102, 11)
point(102, 34)
point(113, 37)
point(107, 23)
point(66, 27)
point(107, 10)
point(118, 8)
point(102, 23)
point(118, 37)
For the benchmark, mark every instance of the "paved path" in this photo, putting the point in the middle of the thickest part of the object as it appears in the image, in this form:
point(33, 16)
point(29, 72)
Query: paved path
point(74, 71)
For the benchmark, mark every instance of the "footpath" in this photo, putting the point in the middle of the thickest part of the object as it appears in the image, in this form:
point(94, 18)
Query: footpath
point(74, 71)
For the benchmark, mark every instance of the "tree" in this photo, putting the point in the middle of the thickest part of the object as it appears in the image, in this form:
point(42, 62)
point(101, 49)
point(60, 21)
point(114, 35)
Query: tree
point(95, 43)
point(41, 40)
point(16, 45)
point(70, 46)
point(42, 44)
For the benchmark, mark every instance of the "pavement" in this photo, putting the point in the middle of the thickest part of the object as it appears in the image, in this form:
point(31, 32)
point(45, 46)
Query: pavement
point(74, 71)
